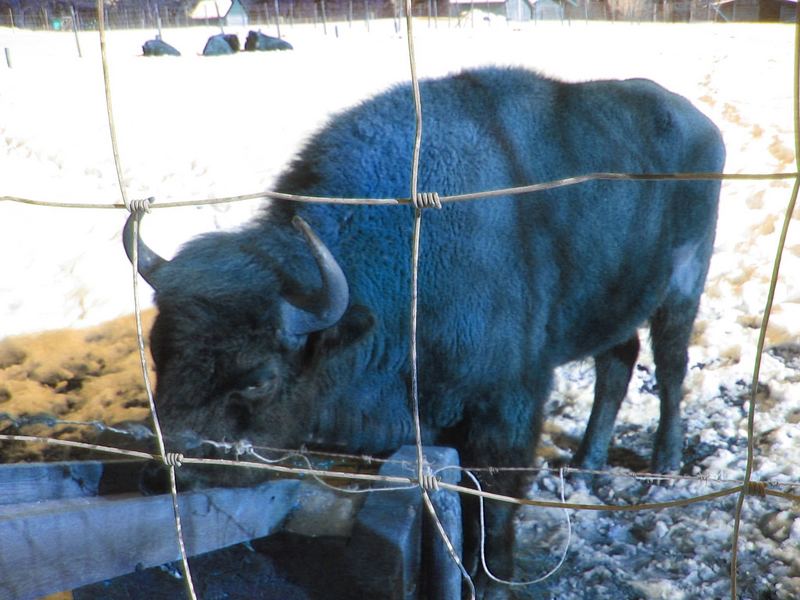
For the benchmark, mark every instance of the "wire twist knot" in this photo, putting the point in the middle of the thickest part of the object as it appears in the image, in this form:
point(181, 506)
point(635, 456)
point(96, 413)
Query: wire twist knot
point(428, 481)
point(243, 448)
point(756, 488)
point(173, 459)
point(141, 206)
point(427, 200)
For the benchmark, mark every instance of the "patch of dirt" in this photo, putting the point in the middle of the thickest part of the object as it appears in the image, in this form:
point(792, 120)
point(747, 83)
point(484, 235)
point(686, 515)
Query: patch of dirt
point(782, 153)
point(76, 375)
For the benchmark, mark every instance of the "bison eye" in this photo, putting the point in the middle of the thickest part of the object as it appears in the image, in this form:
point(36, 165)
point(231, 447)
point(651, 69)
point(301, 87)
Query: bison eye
point(255, 384)
point(262, 387)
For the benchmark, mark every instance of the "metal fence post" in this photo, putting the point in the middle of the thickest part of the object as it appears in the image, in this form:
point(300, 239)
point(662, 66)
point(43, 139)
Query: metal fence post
point(75, 30)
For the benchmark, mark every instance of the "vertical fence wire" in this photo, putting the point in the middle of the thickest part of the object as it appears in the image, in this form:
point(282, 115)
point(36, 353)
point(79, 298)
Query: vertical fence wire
point(422, 476)
point(109, 104)
point(169, 464)
point(415, 242)
point(751, 412)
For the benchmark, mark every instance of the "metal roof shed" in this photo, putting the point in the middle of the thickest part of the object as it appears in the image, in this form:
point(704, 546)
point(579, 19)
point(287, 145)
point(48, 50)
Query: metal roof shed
point(220, 12)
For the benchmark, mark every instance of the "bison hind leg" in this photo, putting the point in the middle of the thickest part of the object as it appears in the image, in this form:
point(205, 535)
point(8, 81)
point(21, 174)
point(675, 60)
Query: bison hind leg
point(670, 332)
point(613, 369)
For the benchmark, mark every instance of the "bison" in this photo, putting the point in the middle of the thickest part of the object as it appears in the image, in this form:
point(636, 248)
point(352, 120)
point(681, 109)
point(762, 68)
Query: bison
point(257, 41)
point(294, 329)
point(158, 47)
point(221, 44)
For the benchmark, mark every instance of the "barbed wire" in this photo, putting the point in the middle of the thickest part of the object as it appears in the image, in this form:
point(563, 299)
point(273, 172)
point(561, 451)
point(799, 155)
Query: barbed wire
point(752, 488)
point(139, 432)
point(745, 487)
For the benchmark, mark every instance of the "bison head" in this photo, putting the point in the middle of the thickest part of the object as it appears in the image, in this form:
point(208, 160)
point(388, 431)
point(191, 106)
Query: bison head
point(243, 349)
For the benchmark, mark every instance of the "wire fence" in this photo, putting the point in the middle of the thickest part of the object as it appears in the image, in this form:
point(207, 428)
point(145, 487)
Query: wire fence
point(424, 481)
point(59, 16)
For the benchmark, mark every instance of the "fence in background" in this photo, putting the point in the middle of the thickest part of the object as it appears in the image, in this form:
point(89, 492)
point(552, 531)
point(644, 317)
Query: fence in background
point(146, 15)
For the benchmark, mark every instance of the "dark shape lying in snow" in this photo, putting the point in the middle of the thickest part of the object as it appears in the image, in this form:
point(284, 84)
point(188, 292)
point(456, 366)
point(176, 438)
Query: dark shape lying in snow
point(260, 41)
point(159, 47)
point(222, 43)
point(269, 334)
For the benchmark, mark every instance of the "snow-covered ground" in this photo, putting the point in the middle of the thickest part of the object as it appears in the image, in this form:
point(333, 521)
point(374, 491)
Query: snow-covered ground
point(194, 127)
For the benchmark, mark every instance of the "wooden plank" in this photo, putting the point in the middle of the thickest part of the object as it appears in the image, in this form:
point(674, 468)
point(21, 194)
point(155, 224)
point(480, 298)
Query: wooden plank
point(57, 545)
point(33, 482)
point(56, 536)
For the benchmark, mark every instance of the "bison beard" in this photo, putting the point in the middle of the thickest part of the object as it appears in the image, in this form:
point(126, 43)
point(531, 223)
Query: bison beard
point(258, 337)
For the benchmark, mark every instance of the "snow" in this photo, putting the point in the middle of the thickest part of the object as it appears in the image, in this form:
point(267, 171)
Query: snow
point(193, 127)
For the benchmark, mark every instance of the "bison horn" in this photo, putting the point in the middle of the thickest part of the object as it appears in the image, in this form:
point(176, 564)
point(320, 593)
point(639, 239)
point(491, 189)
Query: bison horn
point(148, 261)
point(323, 309)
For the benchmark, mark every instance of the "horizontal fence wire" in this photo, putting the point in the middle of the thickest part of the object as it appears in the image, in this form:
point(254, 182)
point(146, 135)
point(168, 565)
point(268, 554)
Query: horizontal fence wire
point(742, 488)
point(752, 489)
point(767, 311)
point(525, 189)
point(239, 448)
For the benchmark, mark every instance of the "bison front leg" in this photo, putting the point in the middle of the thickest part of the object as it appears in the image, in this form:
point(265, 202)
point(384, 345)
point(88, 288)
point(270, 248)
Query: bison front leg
point(499, 536)
point(501, 432)
point(613, 370)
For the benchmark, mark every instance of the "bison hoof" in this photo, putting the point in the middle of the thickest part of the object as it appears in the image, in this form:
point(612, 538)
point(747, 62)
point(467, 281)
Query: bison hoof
point(666, 461)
